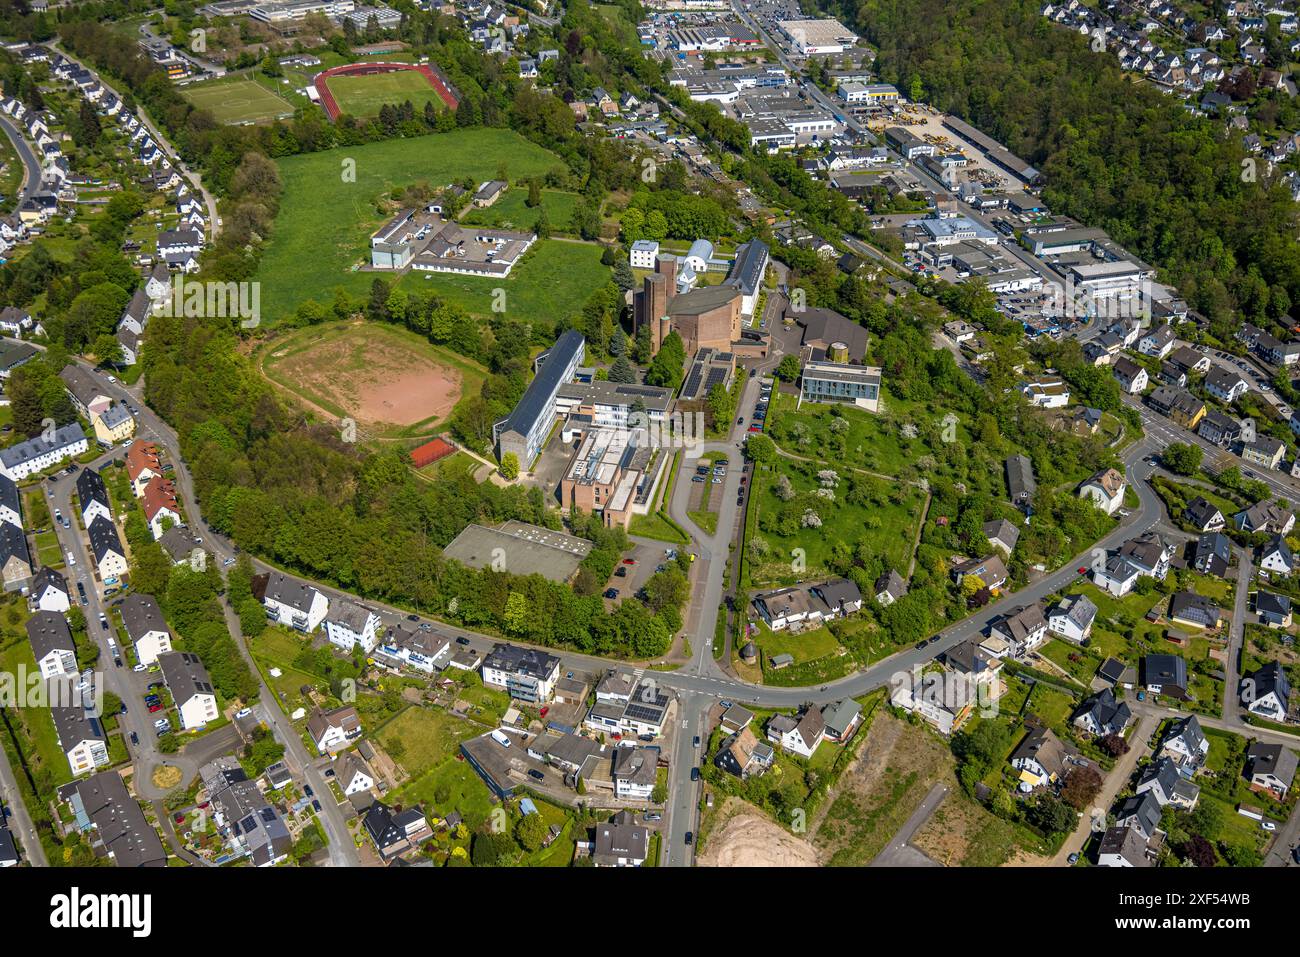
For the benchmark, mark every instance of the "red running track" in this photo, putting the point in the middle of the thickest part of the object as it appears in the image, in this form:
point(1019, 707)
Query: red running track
point(440, 86)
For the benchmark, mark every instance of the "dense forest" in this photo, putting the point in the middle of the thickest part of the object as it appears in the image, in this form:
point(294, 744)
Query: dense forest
point(1116, 153)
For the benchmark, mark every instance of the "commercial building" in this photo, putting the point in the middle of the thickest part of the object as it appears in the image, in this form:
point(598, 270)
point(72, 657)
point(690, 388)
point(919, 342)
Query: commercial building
point(521, 549)
point(812, 37)
point(524, 431)
point(837, 382)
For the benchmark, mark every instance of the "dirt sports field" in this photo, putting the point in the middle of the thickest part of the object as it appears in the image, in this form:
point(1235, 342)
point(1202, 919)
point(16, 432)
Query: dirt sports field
point(390, 382)
point(748, 838)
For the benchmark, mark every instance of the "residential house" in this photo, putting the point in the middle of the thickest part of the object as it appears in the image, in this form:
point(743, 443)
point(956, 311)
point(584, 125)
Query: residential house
point(1041, 758)
point(110, 556)
point(1266, 692)
point(989, 570)
point(1225, 385)
point(1270, 767)
point(1021, 485)
point(526, 673)
point(1162, 780)
point(292, 602)
point(81, 737)
point(1123, 847)
point(634, 772)
point(841, 719)
point(1159, 342)
point(35, 455)
point(118, 829)
point(191, 688)
point(142, 465)
point(621, 842)
point(1142, 812)
point(52, 645)
point(1273, 610)
point(353, 774)
point(1149, 553)
point(1275, 556)
point(1002, 535)
point(1265, 451)
point(1185, 743)
point(1105, 489)
point(1117, 577)
point(1102, 714)
point(1213, 554)
point(92, 493)
point(350, 625)
point(160, 505)
point(1203, 516)
point(1023, 629)
point(145, 627)
point(1265, 516)
point(1189, 608)
point(15, 558)
point(332, 731)
point(744, 755)
point(1179, 405)
point(49, 590)
point(1072, 618)
point(1165, 675)
point(799, 734)
point(890, 587)
point(393, 834)
point(1132, 377)
point(1219, 429)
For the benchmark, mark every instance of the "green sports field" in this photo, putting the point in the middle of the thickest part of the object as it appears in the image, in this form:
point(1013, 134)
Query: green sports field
point(238, 101)
point(362, 96)
point(325, 222)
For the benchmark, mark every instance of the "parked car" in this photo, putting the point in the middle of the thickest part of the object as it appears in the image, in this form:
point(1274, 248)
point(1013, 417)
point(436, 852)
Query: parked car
point(611, 593)
point(536, 775)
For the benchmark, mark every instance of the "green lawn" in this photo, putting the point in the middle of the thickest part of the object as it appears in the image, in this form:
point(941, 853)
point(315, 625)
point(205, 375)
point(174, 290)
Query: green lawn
point(511, 211)
point(553, 280)
point(237, 101)
point(362, 96)
point(327, 215)
point(421, 738)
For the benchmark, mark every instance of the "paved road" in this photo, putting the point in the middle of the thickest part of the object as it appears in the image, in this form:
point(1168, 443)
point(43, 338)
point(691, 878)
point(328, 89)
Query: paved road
point(1115, 782)
point(20, 822)
point(150, 426)
point(190, 176)
point(31, 165)
point(899, 852)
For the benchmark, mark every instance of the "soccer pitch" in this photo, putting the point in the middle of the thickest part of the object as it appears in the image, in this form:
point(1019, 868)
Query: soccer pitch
point(362, 96)
point(238, 101)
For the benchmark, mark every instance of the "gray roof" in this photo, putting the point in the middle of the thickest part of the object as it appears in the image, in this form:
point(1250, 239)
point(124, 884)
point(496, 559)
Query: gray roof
point(103, 538)
point(9, 497)
point(1164, 670)
point(83, 386)
point(516, 660)
point(349, 614)
point(840, 714)
point(1020, 477)
point(550, 374)
point(747, 271)
point(13, 544)
point(48, 631)
point(141, 615)
point(120, 824)
point(185, 675)
point(293, 592)
point(1145, 809)
point(24, 452)
point(1271, 759)
point(91, 488)
point(48, 577)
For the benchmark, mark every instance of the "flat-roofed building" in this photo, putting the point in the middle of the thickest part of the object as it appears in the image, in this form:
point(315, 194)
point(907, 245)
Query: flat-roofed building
point(520, 548)
point(837, 382)
point(524, 431)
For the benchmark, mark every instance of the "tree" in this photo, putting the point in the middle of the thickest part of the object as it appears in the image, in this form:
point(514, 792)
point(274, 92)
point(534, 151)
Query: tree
point(108, 351)
point(1182, 458)
point(622, 371)
point(1114, 745)
point(760, 449)
point(531, 832)
point(1081, 786)
point(510, 466)
point(788, 368)
point(518, 613)
point(534, 194)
